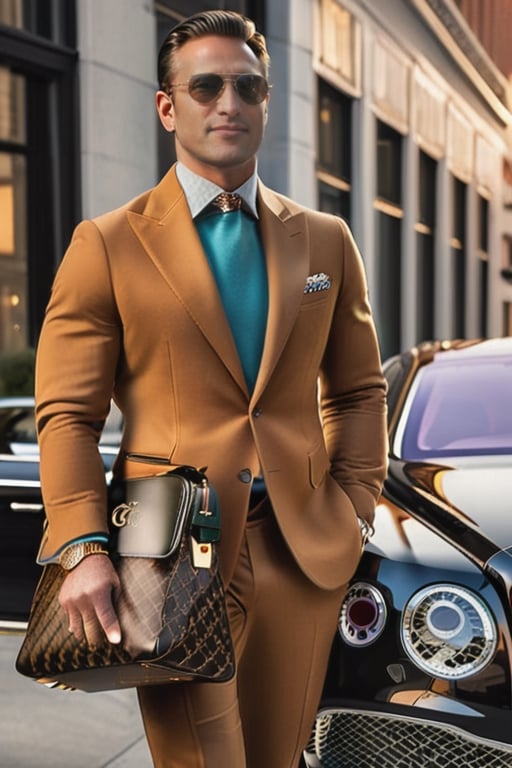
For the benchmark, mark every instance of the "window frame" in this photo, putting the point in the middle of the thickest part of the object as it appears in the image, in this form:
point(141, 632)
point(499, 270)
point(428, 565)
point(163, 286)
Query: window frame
point(52, 152)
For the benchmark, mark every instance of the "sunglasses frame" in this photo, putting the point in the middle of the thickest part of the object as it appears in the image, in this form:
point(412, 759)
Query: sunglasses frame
point(231, 78)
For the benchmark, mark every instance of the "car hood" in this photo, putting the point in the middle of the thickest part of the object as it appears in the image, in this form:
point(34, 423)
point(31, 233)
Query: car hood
point(435, 514)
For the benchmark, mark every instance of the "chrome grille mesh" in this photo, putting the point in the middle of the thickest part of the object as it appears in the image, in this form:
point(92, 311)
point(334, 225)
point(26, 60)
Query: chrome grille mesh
point(352, 739)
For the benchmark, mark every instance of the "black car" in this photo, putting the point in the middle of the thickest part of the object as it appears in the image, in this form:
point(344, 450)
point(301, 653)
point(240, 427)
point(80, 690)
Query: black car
point(421, 667)
point(21, 507)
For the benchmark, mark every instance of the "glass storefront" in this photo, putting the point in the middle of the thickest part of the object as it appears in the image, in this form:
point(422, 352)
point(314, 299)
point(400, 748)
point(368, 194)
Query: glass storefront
point(13, 253)
point(39, 187)
point(14, 332)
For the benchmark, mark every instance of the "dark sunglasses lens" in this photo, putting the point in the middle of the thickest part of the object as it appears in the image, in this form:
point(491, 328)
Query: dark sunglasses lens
point(252, 88)
point(205, 88)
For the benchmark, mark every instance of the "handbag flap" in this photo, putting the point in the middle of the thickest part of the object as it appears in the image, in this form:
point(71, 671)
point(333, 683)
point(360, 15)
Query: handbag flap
point(152, 516)
point(155, 511)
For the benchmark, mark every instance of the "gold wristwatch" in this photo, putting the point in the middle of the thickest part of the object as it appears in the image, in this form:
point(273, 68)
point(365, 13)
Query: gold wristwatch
point(75, 553)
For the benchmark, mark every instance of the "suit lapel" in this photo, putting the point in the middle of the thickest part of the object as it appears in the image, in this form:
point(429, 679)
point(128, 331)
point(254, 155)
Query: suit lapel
point(286, 251)
point(167, 233)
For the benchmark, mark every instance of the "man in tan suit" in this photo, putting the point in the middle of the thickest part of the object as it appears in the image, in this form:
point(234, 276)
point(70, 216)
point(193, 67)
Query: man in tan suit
point(276, 389)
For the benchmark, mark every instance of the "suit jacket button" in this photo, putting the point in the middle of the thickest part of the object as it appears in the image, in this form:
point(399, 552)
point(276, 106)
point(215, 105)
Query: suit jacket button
point(245, 475)
point(256, 413)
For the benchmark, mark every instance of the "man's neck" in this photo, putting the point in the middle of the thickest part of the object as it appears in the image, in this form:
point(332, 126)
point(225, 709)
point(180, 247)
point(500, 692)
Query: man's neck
point(227, 178)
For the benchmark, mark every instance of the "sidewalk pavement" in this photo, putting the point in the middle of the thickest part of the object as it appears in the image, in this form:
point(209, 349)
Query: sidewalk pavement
point(43, 728)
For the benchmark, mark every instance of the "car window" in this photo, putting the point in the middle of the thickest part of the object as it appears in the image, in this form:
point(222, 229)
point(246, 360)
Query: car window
point(18, 426)
point(18, 431)
point(395, 371)
point(458, 408)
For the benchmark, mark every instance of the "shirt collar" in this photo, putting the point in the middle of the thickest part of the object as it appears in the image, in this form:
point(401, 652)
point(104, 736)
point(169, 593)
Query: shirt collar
point(200, 192)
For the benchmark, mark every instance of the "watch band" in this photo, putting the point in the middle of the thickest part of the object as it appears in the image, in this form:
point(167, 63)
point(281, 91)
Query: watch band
point(366, 530)
point(75, 553)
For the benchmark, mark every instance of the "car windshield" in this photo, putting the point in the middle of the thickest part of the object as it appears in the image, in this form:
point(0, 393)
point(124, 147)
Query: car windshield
point(460, 408)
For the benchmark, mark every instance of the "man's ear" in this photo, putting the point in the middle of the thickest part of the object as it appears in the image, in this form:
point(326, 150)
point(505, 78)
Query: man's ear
point(165, 109)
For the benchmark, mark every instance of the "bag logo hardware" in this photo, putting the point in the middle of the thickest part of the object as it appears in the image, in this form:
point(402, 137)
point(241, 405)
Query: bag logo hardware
point(126, 514)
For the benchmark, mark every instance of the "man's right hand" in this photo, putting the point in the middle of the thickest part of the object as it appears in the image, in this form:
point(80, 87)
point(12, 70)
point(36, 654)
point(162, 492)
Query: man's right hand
point(86, 596)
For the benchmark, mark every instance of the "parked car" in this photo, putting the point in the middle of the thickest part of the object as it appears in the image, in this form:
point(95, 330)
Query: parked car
point(421, 667)
point(21, 506)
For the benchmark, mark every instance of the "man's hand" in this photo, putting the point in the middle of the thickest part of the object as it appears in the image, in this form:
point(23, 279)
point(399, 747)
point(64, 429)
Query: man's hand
point(86, 596)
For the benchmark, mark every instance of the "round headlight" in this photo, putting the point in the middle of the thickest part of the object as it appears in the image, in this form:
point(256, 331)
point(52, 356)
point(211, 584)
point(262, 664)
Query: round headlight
point(448, 631)
point(363, 615)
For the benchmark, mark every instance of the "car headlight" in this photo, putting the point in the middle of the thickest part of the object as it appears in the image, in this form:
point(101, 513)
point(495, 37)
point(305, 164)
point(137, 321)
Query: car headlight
point(448, 631)
point(363, 615)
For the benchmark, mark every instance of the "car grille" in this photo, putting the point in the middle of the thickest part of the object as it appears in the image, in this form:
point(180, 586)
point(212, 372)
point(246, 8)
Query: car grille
point(354, 739)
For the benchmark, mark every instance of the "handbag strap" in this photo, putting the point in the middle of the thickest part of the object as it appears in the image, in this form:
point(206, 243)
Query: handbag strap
point(205, 519)
point(206, 514)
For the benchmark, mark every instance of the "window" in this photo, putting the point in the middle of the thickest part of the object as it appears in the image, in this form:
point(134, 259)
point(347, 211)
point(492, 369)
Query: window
point(339, 35)
point(333, 200)
point(458, 254)
point(334, 150)
point(389, 283)
point(459, 408)
point(425, 229)
point(39, 156)
point(14, 331)
point(389, 237)
point(50, 19)
point(483, 264)
point(506, 270)
point(506, 273)
point(507, 318)
point(389, 164)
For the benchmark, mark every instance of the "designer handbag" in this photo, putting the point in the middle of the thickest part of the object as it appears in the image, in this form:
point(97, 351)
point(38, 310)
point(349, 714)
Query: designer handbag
point(171, 606)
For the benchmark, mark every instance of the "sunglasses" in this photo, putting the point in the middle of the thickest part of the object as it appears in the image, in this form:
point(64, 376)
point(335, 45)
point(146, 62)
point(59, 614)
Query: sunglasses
point(206, 88)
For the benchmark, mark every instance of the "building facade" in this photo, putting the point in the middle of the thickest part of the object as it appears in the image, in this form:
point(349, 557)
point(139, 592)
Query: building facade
point(395, 115)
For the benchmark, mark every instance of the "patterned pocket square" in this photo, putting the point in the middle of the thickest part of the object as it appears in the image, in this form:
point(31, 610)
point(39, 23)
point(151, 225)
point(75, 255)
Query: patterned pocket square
point(318, 282)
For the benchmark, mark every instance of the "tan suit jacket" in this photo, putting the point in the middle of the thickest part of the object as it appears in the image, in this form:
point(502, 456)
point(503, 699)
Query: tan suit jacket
point(135, 311)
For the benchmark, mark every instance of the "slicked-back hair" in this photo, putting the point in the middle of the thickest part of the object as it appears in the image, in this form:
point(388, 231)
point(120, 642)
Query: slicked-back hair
point(223, 23)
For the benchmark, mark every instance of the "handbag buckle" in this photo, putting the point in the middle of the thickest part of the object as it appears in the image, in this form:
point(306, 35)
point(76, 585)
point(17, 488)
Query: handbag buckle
point(201, 553)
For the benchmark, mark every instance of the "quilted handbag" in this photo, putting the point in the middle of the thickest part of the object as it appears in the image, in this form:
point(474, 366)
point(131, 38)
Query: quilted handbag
point(171, 606)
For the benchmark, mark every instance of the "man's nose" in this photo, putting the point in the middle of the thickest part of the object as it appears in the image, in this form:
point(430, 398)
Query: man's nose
point(228, 100)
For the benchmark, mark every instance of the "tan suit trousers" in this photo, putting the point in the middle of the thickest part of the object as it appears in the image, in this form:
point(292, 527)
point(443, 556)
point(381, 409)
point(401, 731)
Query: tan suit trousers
point(282, 627)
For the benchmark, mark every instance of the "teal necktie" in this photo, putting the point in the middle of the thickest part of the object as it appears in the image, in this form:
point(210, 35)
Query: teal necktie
point(233, 246)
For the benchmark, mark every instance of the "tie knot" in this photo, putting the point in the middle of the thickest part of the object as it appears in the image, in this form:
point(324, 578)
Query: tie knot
point(228, 201)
